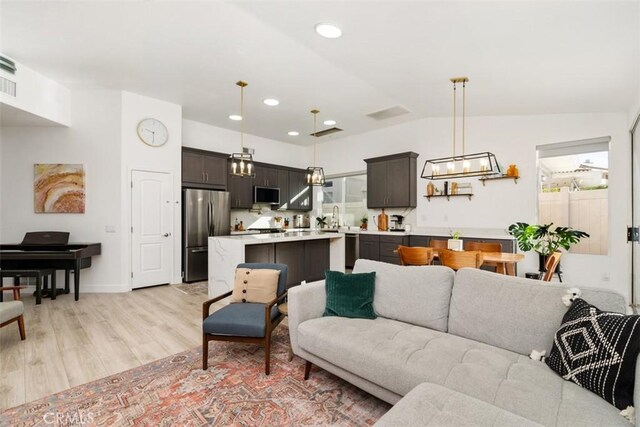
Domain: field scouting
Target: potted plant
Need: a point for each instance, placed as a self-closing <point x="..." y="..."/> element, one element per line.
<point x="364" y="222"/>
<point x="455" y="242"/>
<point x="321" y="221"/>
<point x="543" y="239"/>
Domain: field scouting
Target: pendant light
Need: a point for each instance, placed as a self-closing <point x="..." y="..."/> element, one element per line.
<point x="242" y="163"/>
<point x="464" y="165"/>
<point x="314" y="175"/>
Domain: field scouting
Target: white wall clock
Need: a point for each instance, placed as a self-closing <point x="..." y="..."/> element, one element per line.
<point x="153" y="132"/>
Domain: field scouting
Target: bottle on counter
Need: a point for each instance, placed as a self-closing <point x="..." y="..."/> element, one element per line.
<point x="236" y="225"/>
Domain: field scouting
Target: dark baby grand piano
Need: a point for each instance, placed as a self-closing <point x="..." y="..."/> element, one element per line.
<point x="49" y="249"/>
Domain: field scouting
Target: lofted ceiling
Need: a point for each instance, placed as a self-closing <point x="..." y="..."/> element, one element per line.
<point x="522" y="57"/>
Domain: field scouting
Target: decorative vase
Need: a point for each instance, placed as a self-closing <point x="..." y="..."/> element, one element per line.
<point x="454" y="244"/>
<point x="430" y="189"/>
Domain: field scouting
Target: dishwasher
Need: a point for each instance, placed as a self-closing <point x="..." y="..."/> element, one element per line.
<point x="350" y="250"/>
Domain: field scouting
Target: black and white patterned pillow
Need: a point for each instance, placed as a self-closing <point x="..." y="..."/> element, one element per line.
<point x="598" y="351"/>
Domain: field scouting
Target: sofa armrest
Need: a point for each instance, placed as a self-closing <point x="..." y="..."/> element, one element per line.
<point x="305" y="302"/>
<point x="636" y="392"/>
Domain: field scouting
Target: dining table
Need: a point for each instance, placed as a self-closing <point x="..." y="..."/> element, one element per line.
<point x="505" y="261"/>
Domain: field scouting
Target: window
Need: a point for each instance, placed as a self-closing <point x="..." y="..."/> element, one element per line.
<point x="349" y="193"/>
<point x="573" y="190"/>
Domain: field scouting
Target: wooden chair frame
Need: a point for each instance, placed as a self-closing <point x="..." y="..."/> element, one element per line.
<point x="445" y="255"/>
<point x="550" y="266"/>
<point x="264" y="341"/>
<point x="484" y="247"/>
<point x="415" y="255"/>
<point x="19" y="319"/>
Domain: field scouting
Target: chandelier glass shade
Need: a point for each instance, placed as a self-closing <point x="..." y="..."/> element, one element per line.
<point x="314" y="174"/>
<point x="461" y="165"/>
<point x="241" y="164"/>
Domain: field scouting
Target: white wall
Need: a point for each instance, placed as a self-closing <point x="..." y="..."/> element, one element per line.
<point x="94" y="140"/>
<point x="212" y="138"/>
<point x="137" y="155"/>
<point x="513" y="140"/>
<point x="38" y="95"/>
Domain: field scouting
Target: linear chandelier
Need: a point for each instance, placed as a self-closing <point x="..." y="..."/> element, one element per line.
<point x="242" y="163"/>
<point x="314" y="174"/>
<point x="462" y="165"/>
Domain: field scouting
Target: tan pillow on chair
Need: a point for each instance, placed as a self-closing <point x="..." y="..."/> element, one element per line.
<point x="259" y="285"/>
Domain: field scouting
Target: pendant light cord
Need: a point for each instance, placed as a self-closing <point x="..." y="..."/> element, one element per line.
<point x="242" y="119"/>
<point x="454" y="119"/>
<point x="315" y="134"/>
<point x="464" y="108"/>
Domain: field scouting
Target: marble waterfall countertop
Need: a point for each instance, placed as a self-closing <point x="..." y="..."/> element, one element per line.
<point x="226" y="252"/>
<point x="478" y="233"/>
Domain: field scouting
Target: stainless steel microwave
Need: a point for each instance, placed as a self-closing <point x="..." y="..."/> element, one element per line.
<point x="268" y="195"/>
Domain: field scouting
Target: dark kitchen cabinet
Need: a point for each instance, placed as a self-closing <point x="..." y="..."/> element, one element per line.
<point x="388" y="245"/>
<point x="264" y="253"/>
<point x="204" y="169"/>
<point x="370" y="247"/>
<point x="240" y="192"/>
<point x="300" y="194"/>
<point x="292" y="254"/>
<point x="419" y="241"/>
<point x="266" y="176"/>
<point x="283" y="185"/>
<point x="316" y="259"/>
<point x="391" y="181"/>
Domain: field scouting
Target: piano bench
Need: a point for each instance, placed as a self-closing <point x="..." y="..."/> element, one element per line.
<point x="41" y="276"/>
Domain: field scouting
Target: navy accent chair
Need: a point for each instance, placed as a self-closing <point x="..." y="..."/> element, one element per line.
<point x="244" y="322"/>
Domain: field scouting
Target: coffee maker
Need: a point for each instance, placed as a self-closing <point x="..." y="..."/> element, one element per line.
<point x="396" y="223"/>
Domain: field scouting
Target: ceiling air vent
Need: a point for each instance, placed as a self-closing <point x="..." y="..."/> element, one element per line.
<point x="7" y="64"/>
<point x="8" y="87"/>
<point x="326" y="132"/>
<point x="388" y="113"/>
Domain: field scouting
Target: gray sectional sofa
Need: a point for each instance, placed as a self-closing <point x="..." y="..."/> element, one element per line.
<point x="452" y="348"/>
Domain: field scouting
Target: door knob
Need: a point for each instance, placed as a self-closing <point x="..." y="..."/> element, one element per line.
<point x="167" y="234"/>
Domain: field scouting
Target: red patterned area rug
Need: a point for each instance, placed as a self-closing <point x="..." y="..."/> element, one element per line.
<point x="234" y="391"/>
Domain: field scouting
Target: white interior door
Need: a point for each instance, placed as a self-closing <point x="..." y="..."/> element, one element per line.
<point x="151" y="229"/>
<point x="635" y="197"/>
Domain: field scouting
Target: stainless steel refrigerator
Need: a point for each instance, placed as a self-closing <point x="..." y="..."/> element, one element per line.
<point x="205" y="213"/>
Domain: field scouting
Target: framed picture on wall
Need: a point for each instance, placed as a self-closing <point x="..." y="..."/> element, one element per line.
<point x="58" y="188"/>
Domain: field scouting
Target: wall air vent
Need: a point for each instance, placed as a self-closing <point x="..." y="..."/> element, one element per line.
<point x="388" y="113"/>
<point x="8" y="87"/>
<point x="326" y="132"/>
<point x="7" y="65"/>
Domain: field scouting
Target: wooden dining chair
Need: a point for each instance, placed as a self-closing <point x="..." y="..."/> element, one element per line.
<point x="417" y="255"/>
<point x="438" y="244"/>
<point x="13" y="311"/>
<point x="484" y="247"/>
<point x="550" y="266"/>
<point x="460" y="259"/>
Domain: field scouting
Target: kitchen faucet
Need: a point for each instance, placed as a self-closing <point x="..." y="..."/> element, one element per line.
<point x="336" y="218"/>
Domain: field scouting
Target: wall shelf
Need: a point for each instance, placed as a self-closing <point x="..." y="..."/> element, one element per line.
<point x="493" y="178"/>
<point x="449" y="195"/>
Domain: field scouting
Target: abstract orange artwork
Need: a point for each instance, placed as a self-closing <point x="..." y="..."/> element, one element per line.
<point x="58" y="188"/>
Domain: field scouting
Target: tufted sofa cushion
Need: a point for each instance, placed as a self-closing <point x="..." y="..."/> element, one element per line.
<point x="399" y="356"/>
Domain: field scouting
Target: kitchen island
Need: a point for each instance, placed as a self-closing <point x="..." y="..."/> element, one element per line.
<point x="307" y="253"/>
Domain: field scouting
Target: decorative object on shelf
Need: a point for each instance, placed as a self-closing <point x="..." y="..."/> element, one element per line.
<point x="321" y="221"/>
<point x="242" y="162"/>
<point x="58" y="188"/>
<point x="493" y="178"/>
<point x="464" y="165"/>
<point x="454" y="188"/>
<point x="152" y="132"/>
<point x="364" y="222"/>
<point x="450" y="195"/>
<point x="512" y="171"/>
<point x="314" y="175"/>
<point x="430" y="189"/>
<point x="543" y="240"/>
<point x="455" y="243"/>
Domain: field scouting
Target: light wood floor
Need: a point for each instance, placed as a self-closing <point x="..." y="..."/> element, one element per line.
<point x="70" y="343"/>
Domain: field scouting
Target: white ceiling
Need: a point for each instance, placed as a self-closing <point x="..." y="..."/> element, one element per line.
<point x="522" y="57"/>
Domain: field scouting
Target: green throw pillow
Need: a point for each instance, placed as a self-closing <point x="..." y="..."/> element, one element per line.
<point x="350" y="295"/>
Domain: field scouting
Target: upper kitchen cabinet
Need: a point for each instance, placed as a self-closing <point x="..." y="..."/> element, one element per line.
<point x="300" y="194"/>
<point x="391" y="181"/>
<point x="283" y="185"/>
<point x="204" y="169"/>
<point x="240" y="192"/>
<point x="266" y="176"/>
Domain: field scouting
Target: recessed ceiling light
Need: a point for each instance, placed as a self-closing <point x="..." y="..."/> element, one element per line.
<point x="271" y="102"/>
<point x="327" y="30"/>
<point x="235" y="117"/>
<point x="293" y="133"/>
<point x="329" y="122"/>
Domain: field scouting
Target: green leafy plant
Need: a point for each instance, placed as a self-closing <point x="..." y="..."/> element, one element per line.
<point x="455" y="235"/>
<point x="364" y="219"/>
<point x="321" y="221"/>
<point x="543" y="239"/>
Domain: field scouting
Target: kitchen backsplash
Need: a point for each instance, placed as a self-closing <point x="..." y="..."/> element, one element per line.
<point x="265" y="219"/>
